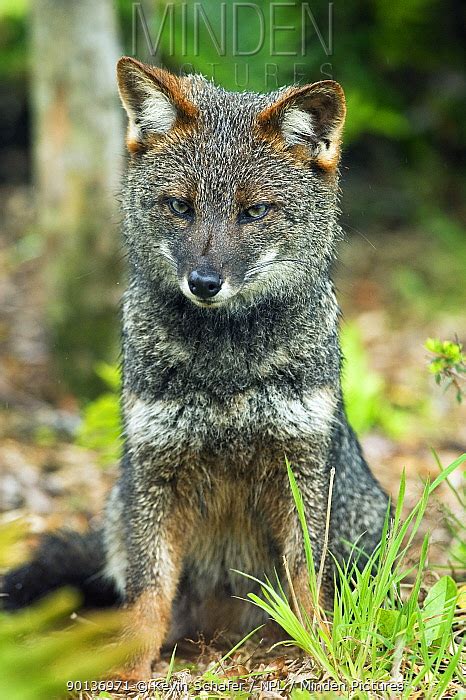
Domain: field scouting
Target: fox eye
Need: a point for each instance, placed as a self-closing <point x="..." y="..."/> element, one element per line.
<point x="256" y="211"/>
<point x="180" y="207"/>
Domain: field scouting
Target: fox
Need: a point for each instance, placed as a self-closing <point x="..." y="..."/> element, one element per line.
<point x="231" y="366"/>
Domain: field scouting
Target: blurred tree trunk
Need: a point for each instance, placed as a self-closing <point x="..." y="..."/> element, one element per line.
<point x="78" y="141"/>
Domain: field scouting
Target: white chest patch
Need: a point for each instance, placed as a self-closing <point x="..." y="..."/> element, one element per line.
<point x="169" y="423"/>
<point x="156" y="422"/>
<point x="311" y="415"/>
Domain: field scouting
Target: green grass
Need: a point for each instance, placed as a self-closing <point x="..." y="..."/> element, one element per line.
<point x="373" y="635"/>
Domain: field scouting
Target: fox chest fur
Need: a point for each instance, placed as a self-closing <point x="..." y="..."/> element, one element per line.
<point x="218" y="424"/>
<point x="197" y="391"/>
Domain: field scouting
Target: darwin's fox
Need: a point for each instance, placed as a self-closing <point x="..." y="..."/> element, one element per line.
<point x="231" y="363"/>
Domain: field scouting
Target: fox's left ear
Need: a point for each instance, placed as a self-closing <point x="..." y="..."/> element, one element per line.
<point x="311" y="116"/>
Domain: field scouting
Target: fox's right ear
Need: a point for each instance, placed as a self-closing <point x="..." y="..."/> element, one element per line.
<point x="154" y="101"/>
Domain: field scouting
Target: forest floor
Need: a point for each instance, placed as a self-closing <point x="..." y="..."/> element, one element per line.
<point x="387" y="289"/>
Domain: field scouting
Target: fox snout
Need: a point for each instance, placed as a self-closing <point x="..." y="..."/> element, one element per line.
<point x="204" y="283"/>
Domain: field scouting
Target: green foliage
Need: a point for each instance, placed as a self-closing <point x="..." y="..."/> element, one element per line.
<point x="437" y="607"/>
<point x="12" y="536"/>
<point x="13" y="47"/>
<point x="372" y="634"/>
<point x="37" y="658"/>
<point x="448" y="365"/>
<point x="13" y="8"/>
<point x="363" y="111"/>
<point x="364" y="390"/>
<point x="101" y="425"/>
<point x="41" y="649"/>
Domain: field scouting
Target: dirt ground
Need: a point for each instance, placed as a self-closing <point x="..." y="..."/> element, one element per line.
<point x="56" y="482"/>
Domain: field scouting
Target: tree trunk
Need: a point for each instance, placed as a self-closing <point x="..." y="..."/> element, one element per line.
<point x="78" y="141"/>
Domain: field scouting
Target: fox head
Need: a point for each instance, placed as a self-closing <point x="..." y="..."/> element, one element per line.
<point x="229" y="196"/>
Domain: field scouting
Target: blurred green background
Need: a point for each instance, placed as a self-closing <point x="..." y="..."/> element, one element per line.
<point x="401" y="64"/>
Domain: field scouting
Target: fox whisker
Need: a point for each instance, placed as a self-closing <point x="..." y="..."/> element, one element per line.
<point x="256" y="269"/>
<point x="166" y="256"/>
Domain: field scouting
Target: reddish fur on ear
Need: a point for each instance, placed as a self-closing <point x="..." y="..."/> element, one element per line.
<point x="138" y="81"/>
<point x="308" y="120"/>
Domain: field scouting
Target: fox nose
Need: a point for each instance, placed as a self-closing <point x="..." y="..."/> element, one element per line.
<point x="204" y="283"/>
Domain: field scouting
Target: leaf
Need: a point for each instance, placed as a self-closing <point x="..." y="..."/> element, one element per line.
<point x="389" y="622"/>
<point x="461" y="602"/>
<point x="437" y="605"/>
<point x="433" y="345"/>
<point x="110" y="374"/>
<point x="101" y="428"/>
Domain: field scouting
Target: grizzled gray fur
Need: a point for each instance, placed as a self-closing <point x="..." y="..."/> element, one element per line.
<point x="231" y="354"/>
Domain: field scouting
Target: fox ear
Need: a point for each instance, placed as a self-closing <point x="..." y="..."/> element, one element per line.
<point x="311" y="116"/>
<point x="154" y="101"/>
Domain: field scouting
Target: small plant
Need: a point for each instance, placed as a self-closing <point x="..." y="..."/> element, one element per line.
<point x="101" y="425"/>
<point x="372" y="635"/>
<point x="448" y="365"/>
